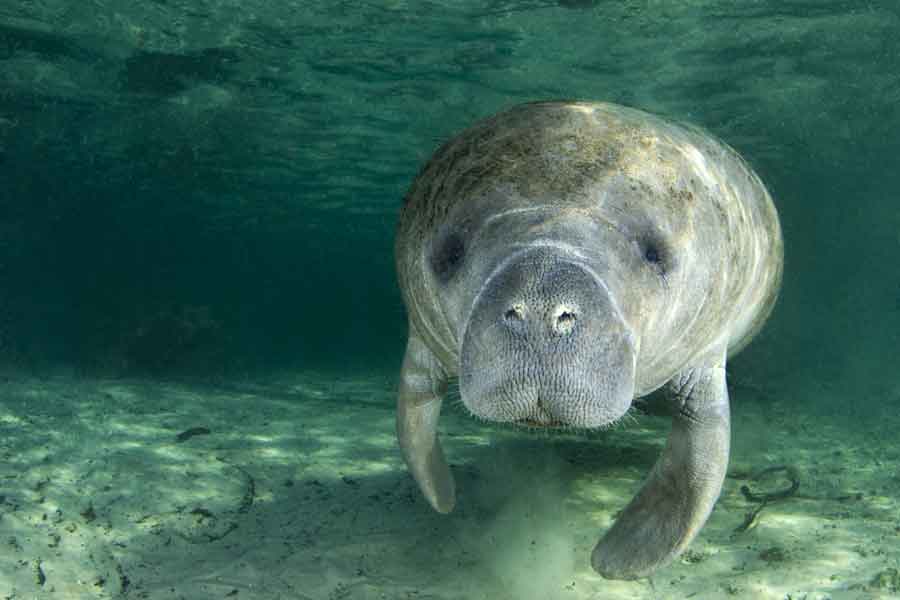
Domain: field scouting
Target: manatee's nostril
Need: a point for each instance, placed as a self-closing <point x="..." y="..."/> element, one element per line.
<point x="516" y="314"/>
<point x="564" y="321"/>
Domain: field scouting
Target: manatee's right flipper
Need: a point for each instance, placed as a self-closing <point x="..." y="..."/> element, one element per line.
<point x="675" y="501"/>
<point x="422" y="388"/>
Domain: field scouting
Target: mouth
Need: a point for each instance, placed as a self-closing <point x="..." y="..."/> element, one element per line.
<point x="539" y="417"/>
<point x="539" y="424"/>
<point x="542" y="423"/>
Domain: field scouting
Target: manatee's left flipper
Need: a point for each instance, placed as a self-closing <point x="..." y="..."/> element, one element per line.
<point x="678" y="496"/>
<point x="422" y="388"/>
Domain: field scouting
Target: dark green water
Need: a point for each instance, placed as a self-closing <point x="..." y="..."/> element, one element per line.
<point x="196" y="189"/>
<point x="218" y="181"/>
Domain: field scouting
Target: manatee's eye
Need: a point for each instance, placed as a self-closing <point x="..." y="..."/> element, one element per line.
<point x="656" y="253"/>
<point x="448" y="256"/>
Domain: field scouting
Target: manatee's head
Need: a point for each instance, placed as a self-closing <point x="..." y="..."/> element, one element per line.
<point x="547" y="305"/>
<point x="553" y="265"/>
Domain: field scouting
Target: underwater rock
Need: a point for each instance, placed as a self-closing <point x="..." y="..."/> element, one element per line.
<point x="775" y="554"/>
<point x="887" y="580"/>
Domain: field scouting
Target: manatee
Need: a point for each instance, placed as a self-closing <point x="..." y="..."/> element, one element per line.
<point x="562" y="259"/>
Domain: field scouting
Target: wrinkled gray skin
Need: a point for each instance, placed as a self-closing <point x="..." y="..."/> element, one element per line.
<point x="564" y="258"/>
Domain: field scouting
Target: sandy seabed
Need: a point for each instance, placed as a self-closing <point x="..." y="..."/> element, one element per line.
<point x="294" y="489"/>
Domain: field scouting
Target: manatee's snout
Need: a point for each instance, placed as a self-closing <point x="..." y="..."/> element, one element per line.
<point x="545" y="345"/>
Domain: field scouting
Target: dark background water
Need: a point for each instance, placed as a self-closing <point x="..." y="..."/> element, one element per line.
<point x="211" y="187"/>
